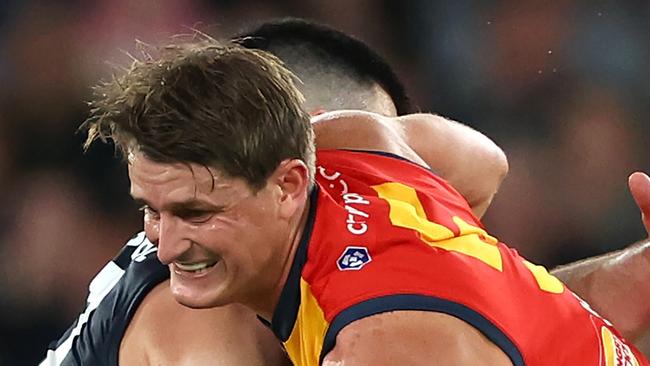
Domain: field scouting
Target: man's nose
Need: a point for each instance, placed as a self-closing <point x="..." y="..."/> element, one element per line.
<point x="169" y="238"/>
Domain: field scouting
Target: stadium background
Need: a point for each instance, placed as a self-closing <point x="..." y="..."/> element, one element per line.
<point x="562" y="86"/>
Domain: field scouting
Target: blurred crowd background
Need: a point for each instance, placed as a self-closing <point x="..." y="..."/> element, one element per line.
<point x="563" y="86"/>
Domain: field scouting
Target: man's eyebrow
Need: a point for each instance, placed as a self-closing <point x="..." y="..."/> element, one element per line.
<point x="190" y="204"/>
<point x="141" y="202"/>
<point x="193" y="204"/>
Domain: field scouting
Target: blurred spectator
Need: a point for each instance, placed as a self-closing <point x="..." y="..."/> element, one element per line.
<point x="560" y="85"/>
<point x="54" y="244"/>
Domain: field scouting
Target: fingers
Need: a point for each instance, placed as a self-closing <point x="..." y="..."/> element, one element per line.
<point x="639" y="184"/>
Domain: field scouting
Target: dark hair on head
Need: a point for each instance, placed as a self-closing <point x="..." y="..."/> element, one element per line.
<point x="203" y="102"/>
<point x="334" y="47"/>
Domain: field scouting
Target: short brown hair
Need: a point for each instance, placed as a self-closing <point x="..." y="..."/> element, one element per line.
<point x="203" y="102"/>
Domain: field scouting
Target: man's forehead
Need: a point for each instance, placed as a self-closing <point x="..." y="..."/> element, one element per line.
<point x="146" y="170"/>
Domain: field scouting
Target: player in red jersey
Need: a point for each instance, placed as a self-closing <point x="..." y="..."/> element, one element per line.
<point x="309" y="49"/>
<point x="226" y="174"/>
<point x="192" y="336"/>
<point x="134" y="306"/>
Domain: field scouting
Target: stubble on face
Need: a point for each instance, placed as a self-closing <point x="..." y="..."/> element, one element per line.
<point x="238" y="238"/>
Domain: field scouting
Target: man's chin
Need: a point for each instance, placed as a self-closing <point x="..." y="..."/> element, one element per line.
<point x="198" y="300"/>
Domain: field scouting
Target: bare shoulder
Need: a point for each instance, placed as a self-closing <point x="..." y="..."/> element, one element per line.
<point x="163" y="332"/>
<point x="413" y="338"/>
<point x="362" y="131"/>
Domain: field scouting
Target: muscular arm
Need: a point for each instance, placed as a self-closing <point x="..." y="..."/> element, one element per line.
<point x="413" y="338"/>
<point x="616" y="284"/>
<point x="467" y="159"/>
<point x="164" y="332"/>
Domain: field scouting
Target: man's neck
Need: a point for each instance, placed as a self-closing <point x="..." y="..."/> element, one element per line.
<point x="267" y="303"/>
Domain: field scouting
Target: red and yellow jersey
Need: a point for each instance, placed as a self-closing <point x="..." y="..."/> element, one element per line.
<point x="385" y="234"/>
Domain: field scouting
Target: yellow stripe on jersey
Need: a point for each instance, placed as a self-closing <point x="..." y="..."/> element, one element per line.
<point x="406" y="211"/>
<point x="306" y="340"/>
<point x="617" y="353"/>
<point x="545" y="280"/>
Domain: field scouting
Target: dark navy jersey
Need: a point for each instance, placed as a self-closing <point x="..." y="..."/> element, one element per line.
<point x="114" y="296"/>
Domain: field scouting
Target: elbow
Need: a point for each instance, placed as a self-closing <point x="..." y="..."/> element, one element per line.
<point x="501" y="166"/>
<point x="494" y="169"/>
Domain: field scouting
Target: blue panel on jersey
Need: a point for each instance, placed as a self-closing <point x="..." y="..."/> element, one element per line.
<point x="422" y="303"/>
<point x="286" y="311"/>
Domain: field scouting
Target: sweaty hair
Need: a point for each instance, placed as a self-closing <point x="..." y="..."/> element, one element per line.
<point x="217" y="105"/>
<point x="337" y="71"/>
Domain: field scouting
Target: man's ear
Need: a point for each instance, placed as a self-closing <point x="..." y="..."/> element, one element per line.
<point x="292" y="177"/>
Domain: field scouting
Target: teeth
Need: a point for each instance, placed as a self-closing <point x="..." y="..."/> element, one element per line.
<point x="193" y="267"/>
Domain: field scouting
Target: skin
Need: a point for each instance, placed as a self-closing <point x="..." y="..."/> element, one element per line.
<point x="430" y="140"/>
<point x="431" y="336"/>
<point x="623" y="274"/>
<point x="439" y="143"/>
<point x="447" y="145"/>
<point x="421" y="131"/>
<point x="180" y="340"/>
<point x="369" y="128"/>
<point x="252" y="274"/>
<point x="194" y="222"/>
<point x="247" y="237"/>
<point x="376" y="133"/>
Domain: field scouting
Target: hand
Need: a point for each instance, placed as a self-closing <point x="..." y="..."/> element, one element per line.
<point x="639" y="184"/>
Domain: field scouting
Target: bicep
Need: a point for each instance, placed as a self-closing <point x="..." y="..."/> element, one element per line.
<point x="413" y="338"/>
<point x="466" y="158"/>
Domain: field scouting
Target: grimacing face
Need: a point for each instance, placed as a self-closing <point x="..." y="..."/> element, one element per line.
<point x="223" y="243"/>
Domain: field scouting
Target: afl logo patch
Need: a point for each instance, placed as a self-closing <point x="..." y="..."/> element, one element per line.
<point x="353" y="259"/>
<point x="617" y="353"/>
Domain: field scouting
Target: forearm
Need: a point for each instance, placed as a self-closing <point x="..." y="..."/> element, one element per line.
<point x="467" y="159"/>
<point x="616" y="286"/>
<point x="643" y="343"/>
